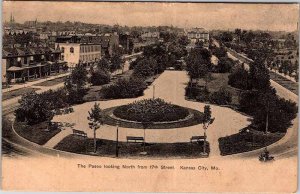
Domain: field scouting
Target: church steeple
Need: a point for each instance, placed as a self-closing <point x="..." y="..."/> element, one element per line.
<point x="11" y="18"/>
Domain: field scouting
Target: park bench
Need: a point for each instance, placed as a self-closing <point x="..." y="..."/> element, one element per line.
<point x="197" y="138"/>
<point x="135" y="139"/>
<point x="79" y="133"/>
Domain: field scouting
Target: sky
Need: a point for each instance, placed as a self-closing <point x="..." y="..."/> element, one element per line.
<point x="275" y="17"/>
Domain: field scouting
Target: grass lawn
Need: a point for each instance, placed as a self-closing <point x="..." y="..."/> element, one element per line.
<point x="247" y="141"/>
<point x="16" y="93"/>
<point x="51" y="82"/>
<point x="218" y="81"/>
<point x="81" y="145"/>
<point x="35" y="133"/>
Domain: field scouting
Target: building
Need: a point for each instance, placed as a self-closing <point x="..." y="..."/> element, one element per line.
<point x="25" y="63"/>
<point x="197" y="35"/>
<point x="109" y="42"/>
<point x="150" y="36"/>
<point x="75" y="53"/>
<point x="126" y="41"/>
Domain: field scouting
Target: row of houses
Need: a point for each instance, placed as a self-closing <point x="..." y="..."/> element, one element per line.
<point x="25" y="63"/>
<point x="28" y="59"/>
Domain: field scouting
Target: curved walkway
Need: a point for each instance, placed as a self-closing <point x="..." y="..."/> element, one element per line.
<point x="170" y="86"/>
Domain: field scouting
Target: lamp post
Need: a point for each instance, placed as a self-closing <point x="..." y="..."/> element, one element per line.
<point x="117" y="142"/>
<point x="145" y="125"/>
<point x="153" y="91"/>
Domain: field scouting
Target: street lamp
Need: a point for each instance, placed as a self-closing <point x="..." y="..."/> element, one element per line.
<point x="153" y="91"/>
<point x="145" y="125"/>
<point x="117" y="142"/>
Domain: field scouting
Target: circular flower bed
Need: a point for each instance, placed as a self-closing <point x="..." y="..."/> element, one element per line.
<point x="151" y="110"/>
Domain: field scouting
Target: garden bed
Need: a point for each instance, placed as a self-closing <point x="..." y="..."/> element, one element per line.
<point x="81" y="145"/>
<point x="35" y="133"/>
<point x="151" y="110"/>
<point x="247" y="141"/>
<point x="194" y="118"/>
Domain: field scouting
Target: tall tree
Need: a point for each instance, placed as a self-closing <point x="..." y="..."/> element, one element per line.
<point x="33" y="109"/>
<point x="75" y="84"/>
<point x="116" y="63"/>
<point x="199" y="64"/>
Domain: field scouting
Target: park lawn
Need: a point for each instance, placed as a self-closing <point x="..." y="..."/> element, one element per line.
<point x="244" y="142"/>
<point x="35" y="133"/>
<point x="18" y="92"/>
<point x="51" y="82"/>
<point x="81" y="145"/>
<point x="218" y="81"/>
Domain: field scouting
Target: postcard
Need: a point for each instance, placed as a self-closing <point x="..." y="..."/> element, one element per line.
<point x="150" y="96"/>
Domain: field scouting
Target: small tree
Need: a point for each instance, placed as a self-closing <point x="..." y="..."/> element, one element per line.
<point x="207" y="120"/>
<point x="96" y="120"/>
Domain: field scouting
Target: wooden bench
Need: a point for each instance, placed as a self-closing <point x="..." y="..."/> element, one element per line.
<point x="197" y="138"/>
<point x="135" y="139"/>
<point x="79" y="133"/>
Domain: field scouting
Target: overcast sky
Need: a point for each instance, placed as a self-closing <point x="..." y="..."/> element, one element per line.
<point x="207" y="15"/>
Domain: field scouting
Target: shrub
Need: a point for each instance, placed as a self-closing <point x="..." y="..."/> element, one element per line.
<point x="124" y="88"/>
<point x="100" y="78"/>
<point x="199" y="93"/>
<point x="151" y="110"/>
<point x="221" y="97"/>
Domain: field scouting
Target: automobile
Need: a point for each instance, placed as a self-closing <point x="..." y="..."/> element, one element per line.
<point x="170" y="68"/>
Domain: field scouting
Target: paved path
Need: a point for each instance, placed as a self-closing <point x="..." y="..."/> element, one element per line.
<point x="170" y="86"/>
<point x="58" y="137"/>
<point x="285" y="76"/>
<point x="31" y="83"/>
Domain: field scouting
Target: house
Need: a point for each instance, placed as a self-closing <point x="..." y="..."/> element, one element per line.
<point x="24" y="63"/>
<point x="150" y="36"/>
<point x="75" y="53"/>
<point x="126" y="41"/>
<point x="197" y="35"/>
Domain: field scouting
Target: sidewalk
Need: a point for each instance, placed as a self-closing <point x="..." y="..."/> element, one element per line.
<point x="285" y="76"/>
<point x="28" y="84"/>
<point x="58" y="138"/>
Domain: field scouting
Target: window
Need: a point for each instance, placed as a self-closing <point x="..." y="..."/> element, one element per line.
<point x="71" y="50"/>
<point x="25" y="60"/>
<point x="63" y="49"/>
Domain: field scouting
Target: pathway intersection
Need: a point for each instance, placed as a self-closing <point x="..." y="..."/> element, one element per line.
<point x="169" y="86"/>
